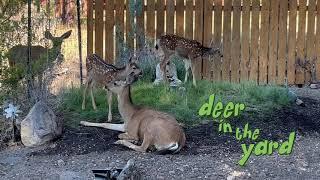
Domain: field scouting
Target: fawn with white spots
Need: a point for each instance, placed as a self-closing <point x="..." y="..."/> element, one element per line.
<point x="190" y="50"/>
<point x="101" y="73"/>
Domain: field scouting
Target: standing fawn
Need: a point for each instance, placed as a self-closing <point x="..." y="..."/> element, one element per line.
<point x="153" y="128"/>
<point x="190" y="50"/>
<point x="101" y="73"/>
<point x="17" y="55"/>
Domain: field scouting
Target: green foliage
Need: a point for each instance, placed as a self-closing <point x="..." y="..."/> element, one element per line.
<point x="184" y="105"/>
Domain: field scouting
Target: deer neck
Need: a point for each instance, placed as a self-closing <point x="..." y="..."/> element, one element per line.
<point x="125" y="105"/>
<point x="54" y="52"/>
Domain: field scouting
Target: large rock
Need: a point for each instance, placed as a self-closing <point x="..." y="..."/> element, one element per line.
<point x="40" y="126"/>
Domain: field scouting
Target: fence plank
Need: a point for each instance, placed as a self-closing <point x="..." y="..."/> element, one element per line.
<point x="264" y="42"/>
<point x="282" y="52"/>
<point x="130" y="25"/>
<point x="235" y="53"/>
<point x="170" y="17"/>
<point x="198" y="35"/>
<point x="189" y="19"/>
<point x="180" y="17"/>
<point x="90" y="28"/>
<point x="273" y="46"/>
<point x="109" y="24"/>
<point x="207" y="36"/>
<point x="119" y="28"/>
<point x="99" y="27"/>
<point x="317" y="63"/>
<point x="140" y="31"/>
<point x="301" y="45"/>
<point x="217" y="37"/>
<point x="150" y="20"/>
<point x="253" y="76"/>
<point x="160" y="18"/>
<point x="245" y="41"/>
<point x="310" y="41"/>
<point x="226" y="40"/>
<point x="292" y="41"/>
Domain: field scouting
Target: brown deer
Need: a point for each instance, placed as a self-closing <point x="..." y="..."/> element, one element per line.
<point x="101" y="73"/>
<point x="153" y="128"/>
<point x="17" y="55"/>
<point x="190" y="50"/>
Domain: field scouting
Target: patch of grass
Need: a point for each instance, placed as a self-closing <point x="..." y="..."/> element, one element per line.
<point x="184" y="105"/>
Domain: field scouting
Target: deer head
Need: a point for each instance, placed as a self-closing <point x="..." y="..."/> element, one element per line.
<point x="57" y="42"/>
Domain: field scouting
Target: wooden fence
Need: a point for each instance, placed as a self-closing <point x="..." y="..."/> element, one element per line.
<point x="267" y="41"/>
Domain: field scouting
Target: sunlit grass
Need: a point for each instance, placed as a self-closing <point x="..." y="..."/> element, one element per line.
<point x="184" y="105"/>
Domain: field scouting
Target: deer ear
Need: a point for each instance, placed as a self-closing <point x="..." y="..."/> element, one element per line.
<point x="66" y="35"/>
<point x="48" y="35"/>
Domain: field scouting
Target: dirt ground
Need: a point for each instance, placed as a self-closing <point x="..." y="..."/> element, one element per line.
<point x="208" y="154"/>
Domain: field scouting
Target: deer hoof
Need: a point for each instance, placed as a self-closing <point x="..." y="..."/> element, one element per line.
<point x="118" y="142"/>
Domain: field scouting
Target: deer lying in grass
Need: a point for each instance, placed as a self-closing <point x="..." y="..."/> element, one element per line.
<point x="101" y="73"/>
<point x="17" y="55"/>
<point x="190" y="50"/>
<point x="153" y="128"/>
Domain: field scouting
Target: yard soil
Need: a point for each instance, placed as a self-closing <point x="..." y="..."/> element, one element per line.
<point x="207" y="155"/>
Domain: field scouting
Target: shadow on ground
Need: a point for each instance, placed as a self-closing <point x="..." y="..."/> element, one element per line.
<point x="202" y="139"/>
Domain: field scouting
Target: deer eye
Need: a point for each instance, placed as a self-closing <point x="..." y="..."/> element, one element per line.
<point x="134" y="68"/>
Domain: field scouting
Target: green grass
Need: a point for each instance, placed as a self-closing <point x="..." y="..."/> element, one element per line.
<point x="184" y="105"/>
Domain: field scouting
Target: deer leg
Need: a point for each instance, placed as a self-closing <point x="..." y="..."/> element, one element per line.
<point x="92" y="97"/>
<point x="143" y="148"/>
<point x="84" y="95"/>
<point x="126" y="136"/>
<point x="115" y="127"/>
<point x="187" y="64"/>
<point x="193" y="70"/>
<point x="163" y="65"/>
<point x="109" y="104"/>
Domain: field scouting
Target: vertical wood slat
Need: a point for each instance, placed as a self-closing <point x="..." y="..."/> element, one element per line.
<point x="292" y="41"/>
<point x="180" y="17"/>
<point x="282" y="52"/>
<point x="317" y="63"/>
<point x="140" y="31"/>
<point x="245" y="41"/>
<point x="301" y="42"/>
<point x="253" y="76"/>
<point x="310" y="40"/>
<point x="170" y="17"/>
<point x="109" y="24"/>
<point x="273" y="45"/>
<point x="151" y="20"/>
<point x="119" y="27"/>
<point x="264" y="42"/>
<point x="198" y="35"/>
<point x="90" y="28"/>
<point x="160" y="18"/>
<point x="226" y="41"/>
<point x="99" y="27"/>
<point x="217" y="37"/>
<point x="207" y="36"/>
<point x="189" y="19"/>
<point x="235" y="53"/>
<point x="130" y="25"/>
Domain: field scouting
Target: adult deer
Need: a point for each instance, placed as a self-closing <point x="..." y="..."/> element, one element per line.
<point x="17" y="55"/>
<point x="189" y="50"/>
<point x="153" y="128"/>
<point x="101" y="73"/>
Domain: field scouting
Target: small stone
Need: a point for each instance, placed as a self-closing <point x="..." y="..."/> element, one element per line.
<point x="299" y="102"/>
<point x="61" y="162"/>
<point x="314" y="86"/>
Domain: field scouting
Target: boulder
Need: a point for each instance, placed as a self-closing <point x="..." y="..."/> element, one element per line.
<point x="40" y="126"/>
